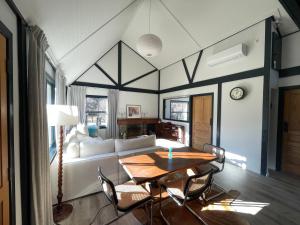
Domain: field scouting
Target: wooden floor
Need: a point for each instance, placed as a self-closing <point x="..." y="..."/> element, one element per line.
<point x="260" y="201"/>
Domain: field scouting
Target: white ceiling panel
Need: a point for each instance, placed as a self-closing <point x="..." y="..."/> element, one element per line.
<point x="213" y="20"/>
<point x="79" y="32"/>
<point x="67" y="23"/>
<point x="92" y="49"/>
<point x="176" y="42"/>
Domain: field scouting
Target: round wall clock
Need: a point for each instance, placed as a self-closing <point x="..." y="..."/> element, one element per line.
<point x="237" y="93"/>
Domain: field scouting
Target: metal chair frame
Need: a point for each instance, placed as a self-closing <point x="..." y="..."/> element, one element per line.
<point x="188" y="196"/>
<point x="220" y="160"/>
<point x="113" y="201"/>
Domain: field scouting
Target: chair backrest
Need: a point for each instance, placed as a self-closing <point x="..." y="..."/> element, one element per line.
<point x="196" y="185"/>
<point x="215" y="150"/>
<point x="108" y="188"/>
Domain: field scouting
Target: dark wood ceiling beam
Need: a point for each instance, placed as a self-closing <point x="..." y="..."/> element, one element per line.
<point x="293" y="9"/>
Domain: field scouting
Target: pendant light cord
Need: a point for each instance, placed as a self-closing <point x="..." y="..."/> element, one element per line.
<point x="149" y="14"/>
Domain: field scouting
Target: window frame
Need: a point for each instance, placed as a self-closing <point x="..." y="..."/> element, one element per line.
<point x="98" y="97"/>
<point x="52" y="146"/>
<point x="176" y="101"/>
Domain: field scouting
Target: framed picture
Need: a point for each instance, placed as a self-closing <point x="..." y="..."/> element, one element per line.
<point x="133" y="111"/>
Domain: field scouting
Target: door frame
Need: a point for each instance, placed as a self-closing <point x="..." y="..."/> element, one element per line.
<point x="10" y="115"/>
<point x="280" y="122"/>
<point x="191" y="116"/>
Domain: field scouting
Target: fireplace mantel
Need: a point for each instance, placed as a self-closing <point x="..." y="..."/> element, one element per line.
<point x="137" y="121"/>
<point x="137" y="126"/>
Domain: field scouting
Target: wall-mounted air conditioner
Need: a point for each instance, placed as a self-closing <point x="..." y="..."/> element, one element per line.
<point x="229" y="54"/>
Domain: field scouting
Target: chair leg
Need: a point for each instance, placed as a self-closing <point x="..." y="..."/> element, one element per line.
<point x="223" y="191"/>
<point x="160" y="209"/>
<point x="195" y="214"/>
<point x="151" y="212"/>
<point x="99" y="211"/>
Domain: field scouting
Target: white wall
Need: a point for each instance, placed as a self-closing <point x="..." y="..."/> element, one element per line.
<point x="291" y="51"/>
<point x="241" y="124"/>
<point x="8" y="18"/>
<point x="241" y="121"/>
<point x="254" y="38"/>
<point x="188" y="92"/>
<point x="290" y="58"/>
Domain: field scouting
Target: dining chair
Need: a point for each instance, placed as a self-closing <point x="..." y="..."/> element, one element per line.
<point x="124" y="197"/>
<point x="216" y="166"/>
<point x="186" y="188"/>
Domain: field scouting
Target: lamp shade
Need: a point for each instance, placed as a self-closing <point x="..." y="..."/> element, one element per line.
<point x="60" y="115"/>
<point x="149" y="45"/>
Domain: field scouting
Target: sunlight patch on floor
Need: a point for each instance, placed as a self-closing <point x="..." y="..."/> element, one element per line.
<point x="238" y="206"/>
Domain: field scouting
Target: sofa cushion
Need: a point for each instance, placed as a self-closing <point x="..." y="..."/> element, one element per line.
<point x="94" y="146"/>
<point x="135" y="143"/>
<point x="73" y="150"/>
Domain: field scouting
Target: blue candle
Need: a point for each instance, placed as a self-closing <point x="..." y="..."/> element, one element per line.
<point x="170" y="153"/>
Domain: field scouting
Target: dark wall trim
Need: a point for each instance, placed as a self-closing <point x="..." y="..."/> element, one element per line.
<point x="186" y="71"/>
<point x="140" y="77"/>
<point x="266" y="96"/>
<point x="87" y="84"/>
<point x="191" y="116"/>
<point x="219" y="114"/>
<point x="228" y="78"/>
<point x="121" y="88"/>
<point x="280" y="123"/>
<point x="289" y="71"/>
<point x="16" y="11"/>
<point x="10" y="123"/>
<point x="293" y="9"/>
<point x="96" y="96"/>
<point x="106" y="74"/>
<point x="158" y="96"/>
<point x="119" y="63"/>
<point x="196" y="66"/>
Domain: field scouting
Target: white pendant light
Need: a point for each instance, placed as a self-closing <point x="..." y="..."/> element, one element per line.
<point x="149" y="45"/>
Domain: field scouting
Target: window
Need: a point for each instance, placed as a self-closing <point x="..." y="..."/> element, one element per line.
<point x="51" y="129"/>
<point x="176" y="109"/>
<point x="50" y="85"/>
<point x="96" y="110"/>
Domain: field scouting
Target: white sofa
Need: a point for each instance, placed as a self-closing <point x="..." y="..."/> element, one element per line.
<point x="80" y="165"/>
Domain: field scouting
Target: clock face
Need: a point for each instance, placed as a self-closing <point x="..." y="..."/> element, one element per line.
<point x="237" y="93"/>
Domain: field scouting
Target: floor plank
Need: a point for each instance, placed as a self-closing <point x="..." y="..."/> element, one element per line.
<point x="261" y="200"/>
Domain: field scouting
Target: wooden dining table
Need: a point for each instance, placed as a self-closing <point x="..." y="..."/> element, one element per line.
<point x="150" y="167"/>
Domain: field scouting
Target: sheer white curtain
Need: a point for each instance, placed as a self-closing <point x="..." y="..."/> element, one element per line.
<point x="60" y="86"/>
<point x="77" y="96"/>
<point x="113" y="102"/>
<point x="41" y="202"/>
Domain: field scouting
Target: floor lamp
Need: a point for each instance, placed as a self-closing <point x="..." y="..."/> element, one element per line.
<point x="61" y="115"/>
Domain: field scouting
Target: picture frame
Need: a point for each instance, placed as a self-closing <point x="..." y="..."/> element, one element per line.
<point x="133" y="111"/>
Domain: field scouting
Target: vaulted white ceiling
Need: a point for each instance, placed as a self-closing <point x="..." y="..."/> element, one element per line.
<point x="80" y="32"/>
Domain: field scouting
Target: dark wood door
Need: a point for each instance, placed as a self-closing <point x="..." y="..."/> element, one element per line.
<point x="291" y="132"/>
<point x="4" y="179"/>
<point x="201" y="121"/>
